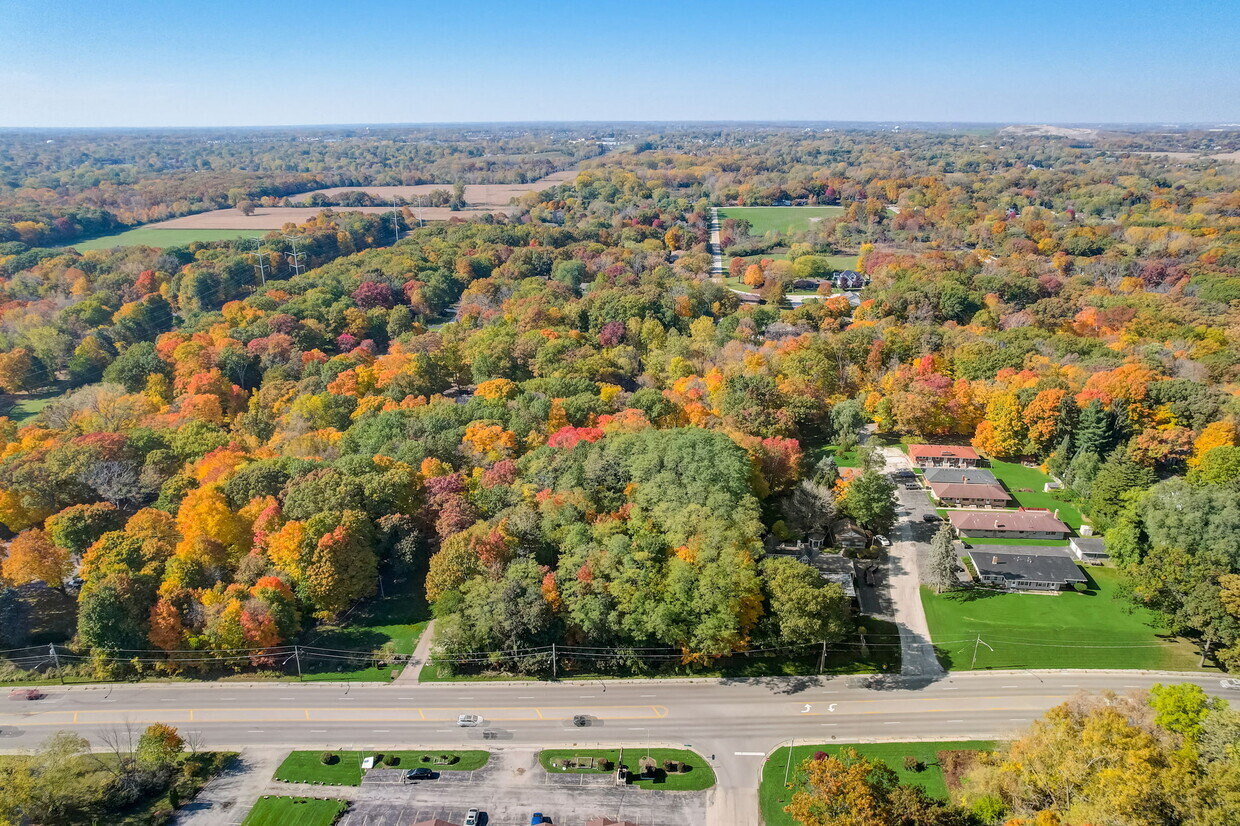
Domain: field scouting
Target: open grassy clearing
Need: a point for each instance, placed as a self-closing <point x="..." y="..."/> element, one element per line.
<point x="161" y="238"/>
<point x="22" y="407"/>
<point x="295" y="811"/>
<point x="773" y="795"/>
<point x="1025" y="484"/>
<point x="780" y="219"/>
<point x="698" y="777"/>
<point x="1096" y="628"/>
<point x="838" y="262"/>
<point x="308" y="766"/>
<point x="394" y="622"/>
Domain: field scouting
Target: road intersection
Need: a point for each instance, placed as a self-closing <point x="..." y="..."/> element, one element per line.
<point x="735" y="723"/>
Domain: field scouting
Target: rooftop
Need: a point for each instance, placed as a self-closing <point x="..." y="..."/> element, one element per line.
<point x="956" y="490"/>
<point x="963" y="476"/>
<point x="1021" y="520"/>
<point x="944" y="451"/>
<point x="1026" y="567"/>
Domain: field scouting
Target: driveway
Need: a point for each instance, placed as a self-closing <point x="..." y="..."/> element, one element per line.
<point x="910" y="544"/>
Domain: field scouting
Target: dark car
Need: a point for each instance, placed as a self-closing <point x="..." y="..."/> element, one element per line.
<point x="419" y="774"/>
<point x="931" y="517"/>
<point x="581" y="720"/>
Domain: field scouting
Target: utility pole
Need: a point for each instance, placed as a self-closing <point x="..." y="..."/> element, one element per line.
<point x="554" y="669"/>
<point x="292" y="239"/>
<point x="788" y="765"/>
<point x="258" y="253"/>
<point x="395" y="222"/>
<point x="297" y="656"/>
<point x="976" y="643"/>
<point x="822" y="657"/>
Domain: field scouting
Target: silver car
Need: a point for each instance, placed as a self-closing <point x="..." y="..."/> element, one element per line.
<point x="468" y="720"/>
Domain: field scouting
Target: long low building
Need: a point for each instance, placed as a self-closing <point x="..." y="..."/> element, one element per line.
<point x="958" y="495"/>
<point x="961" y="476"/>
<point x="929" y="456"/>
<point x="1027" y="570"/>
<point x="1019" y="524"/>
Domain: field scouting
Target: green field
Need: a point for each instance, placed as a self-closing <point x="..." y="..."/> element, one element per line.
<point x="307" y="766"/>
<point x="1096" y="628"/>
<point x="700" y="775"/>
<point x="781" y="219"/>
<point x="27" y="407"/>
<point x="396" y="620"/>
<point x="160" y="238"/>
<point x="1016" y="477"/>
<point x="294" y="811"/>
<point x="773" y="795"/>
<point x="839" y="262"/>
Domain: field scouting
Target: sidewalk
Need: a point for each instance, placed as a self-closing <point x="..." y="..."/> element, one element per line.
<point x="421" y="654"/>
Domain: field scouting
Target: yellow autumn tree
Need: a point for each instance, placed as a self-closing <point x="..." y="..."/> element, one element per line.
<point x="1215" y="434"/>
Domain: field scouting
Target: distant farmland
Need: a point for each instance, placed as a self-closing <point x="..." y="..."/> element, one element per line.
<point x="780" y="219"/>
<point x="153" y="236"/>
<point x="476" y="195"/>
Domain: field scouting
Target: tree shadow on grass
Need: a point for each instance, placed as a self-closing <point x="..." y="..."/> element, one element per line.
<point x="963" y="595"/>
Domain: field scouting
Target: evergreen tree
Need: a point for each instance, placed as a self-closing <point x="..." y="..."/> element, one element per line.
<point x="1095" y="432"/>
<point x="941" y="572"/>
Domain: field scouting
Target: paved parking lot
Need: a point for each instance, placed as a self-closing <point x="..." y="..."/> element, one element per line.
<point x="509" y="790"/>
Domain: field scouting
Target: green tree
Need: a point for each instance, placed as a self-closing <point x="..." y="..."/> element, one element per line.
<point x="941" y="572"/>
<point x="1118" y="475"/>
<point x="870" y="498"/>
<point x="803" y="607"/>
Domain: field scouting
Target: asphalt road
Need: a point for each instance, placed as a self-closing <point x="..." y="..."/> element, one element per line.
<point x="734" y="722"/>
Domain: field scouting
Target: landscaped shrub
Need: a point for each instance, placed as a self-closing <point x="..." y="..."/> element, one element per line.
<point x="391" y="760"/>
<point x="329" y="759"/>
<point x="606" y="765"/>
<point x="912" y="764"/>
<point x="426" y="758"/>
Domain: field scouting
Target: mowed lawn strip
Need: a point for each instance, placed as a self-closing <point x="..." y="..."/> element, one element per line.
<point x="1092" y="629"/>
<point x="780" y="219"/>
<point x="700" y="775"/>
<point x="308" y="767"/>
<point x="294" y="811"/>
<point x="773" y="795"/>
<point x="1015" y="477"/>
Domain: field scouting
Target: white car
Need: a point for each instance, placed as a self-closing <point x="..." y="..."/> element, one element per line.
<point x="471" y="818"/>
<point x="1230" y="682"/>
<point x="468" y="720"/>
<point x="882" y="540"/>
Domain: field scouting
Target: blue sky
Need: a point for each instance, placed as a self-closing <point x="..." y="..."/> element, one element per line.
<point x="219" y="62"/>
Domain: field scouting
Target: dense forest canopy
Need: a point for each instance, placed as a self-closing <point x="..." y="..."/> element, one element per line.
<point x="564" y="427"/>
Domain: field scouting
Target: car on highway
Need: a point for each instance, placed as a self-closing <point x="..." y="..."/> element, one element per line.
<point x="468" y="720"/>
<point x="26" y="694"/>
<point x="1230" y="682"/>
<point x="419" y="774"/>
<point x="581" y="720"/>
<point x="471" y="818"/>
<point x="882" y="540"/>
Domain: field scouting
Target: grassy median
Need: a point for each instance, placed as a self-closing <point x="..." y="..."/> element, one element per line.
<point x="346" y="769"/>
<point x="294" y="811"/>
<point x="696" y="775"/>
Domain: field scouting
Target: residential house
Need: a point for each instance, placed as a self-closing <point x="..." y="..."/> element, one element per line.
<point x="849" y="280"/>
<point x="960" y="476"/>
<point x="1020" y="524"/>
<point x="1026" y="569"/>
<point x="847" y="534"/>
<point x="839" y="569"/>
<point x="956" y="495"/>
<point x="1089" y="549"/>
<point x="953" y="456"/>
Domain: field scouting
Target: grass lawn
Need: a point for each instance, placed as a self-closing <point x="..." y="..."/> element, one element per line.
<point x="27" y="407"/>
<point x="397" y="619"/>
<point x="780" y="219"/>
<point x="700" y="775"/>
<point x="882" y="656"/>
<point x="1016" y="476"/>
<point x="979" y="544"/>
<point x="307" y="766"/>
<point x="838" y="262"/>
<point x="160" y="238"/>
<point x="773" y="795"/>
<point x="294" y="811"/>
<point x="1096" y="628"/>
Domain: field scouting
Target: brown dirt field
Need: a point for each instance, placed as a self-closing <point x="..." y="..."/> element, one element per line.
<point x="476" y="195"/>
<point x="1191" y="156"/>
